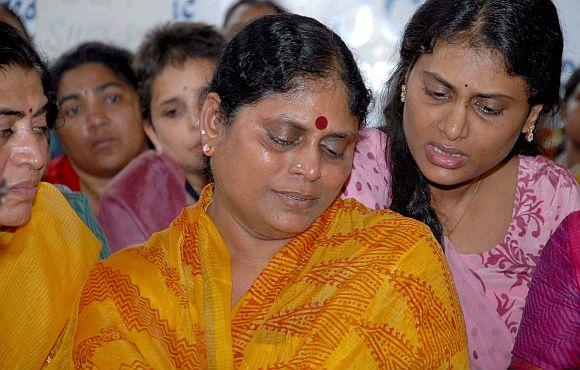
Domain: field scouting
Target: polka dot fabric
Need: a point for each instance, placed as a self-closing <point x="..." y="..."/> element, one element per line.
<point x="370" y="179"/>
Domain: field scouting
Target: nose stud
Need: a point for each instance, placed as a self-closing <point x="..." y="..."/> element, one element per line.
<point x="298" y="165"/>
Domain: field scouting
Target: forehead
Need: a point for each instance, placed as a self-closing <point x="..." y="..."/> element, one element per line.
<point x="88" y="76"/>
<point x="460" y="64"/>
<point x="247" y="12"/>
<point x="310" y="100"/>
<point x="190" y="76"/>
<point x="20" y="87"/>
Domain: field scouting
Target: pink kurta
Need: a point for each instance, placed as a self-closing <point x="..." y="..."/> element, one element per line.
<point x="492" y="286"/>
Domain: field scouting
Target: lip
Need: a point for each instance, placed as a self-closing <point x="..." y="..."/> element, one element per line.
<point x="447" y="158"/>
<point x="296" y="199"/>
<point x="102" y="144"/>
<point x="24" y="190"/>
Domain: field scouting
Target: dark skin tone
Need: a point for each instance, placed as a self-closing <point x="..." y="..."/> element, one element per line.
<point x="288" y="171"/>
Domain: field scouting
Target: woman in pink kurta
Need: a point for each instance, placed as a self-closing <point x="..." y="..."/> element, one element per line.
<point x="493" y="285"/>
<point x="475" y="81"/>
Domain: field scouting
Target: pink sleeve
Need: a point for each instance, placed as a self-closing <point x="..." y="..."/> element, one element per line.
<point x="370" y="179"/>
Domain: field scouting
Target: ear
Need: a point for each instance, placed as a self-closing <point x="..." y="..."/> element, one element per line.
<point x="152" y="135"/>
<point x="532" y="117"/>
<point x="211" y="125"/>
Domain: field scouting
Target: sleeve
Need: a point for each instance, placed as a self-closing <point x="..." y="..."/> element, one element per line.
<point x="369" y="181"/>
<point x="549" y="332"/>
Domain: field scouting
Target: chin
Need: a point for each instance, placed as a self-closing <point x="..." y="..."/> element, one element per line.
<point x="15" y="220"/>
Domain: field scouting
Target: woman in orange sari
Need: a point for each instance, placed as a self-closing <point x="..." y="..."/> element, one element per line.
<point x="46" y="251"/>
<point x="269" y="268"/>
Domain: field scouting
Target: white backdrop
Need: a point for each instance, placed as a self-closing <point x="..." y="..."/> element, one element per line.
<point x="370" y="27"/>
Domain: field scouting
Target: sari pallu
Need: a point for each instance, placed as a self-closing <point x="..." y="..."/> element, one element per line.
<point x="358" y="289"/>
<point x="43" y="266"/>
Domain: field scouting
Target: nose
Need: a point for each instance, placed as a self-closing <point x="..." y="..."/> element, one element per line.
<point x="307" y="164"/>
<point x="97" y="115"/>
<point x="454" y="125"/>
<point x="30" y="149"/>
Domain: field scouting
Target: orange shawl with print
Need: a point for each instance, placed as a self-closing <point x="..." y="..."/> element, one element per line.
<point x="359" y="288"/>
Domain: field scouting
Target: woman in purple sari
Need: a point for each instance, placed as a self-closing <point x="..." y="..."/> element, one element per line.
<point x="549" y="335"/>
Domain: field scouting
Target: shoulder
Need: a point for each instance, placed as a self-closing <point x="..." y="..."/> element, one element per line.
<point x="145" y="171"/>
<point x="384" y="229"/>
<point x="370" y="178"/>
<point x="549" y="182"/>
<point x="143" y="264"/>
<point x="540" y="168"/>
<point x="370" y="146"/>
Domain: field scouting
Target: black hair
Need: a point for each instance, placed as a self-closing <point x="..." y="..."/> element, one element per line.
<point x="18" y="20"/>
<point x="525" y="33"/>
<point x="275" y="7"/>
<point x="570" y="85"/>
<point x="116" y="59"/>
<point x="273" y="54"/>
<point x="17" y="51"/>
<point x="172" y="44"/>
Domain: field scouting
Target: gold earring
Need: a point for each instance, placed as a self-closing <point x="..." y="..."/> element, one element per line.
<point x="206" y="149"/>
<point x="530" y="133"/>
<point x="202" y="131"/>
<point x="403" y="93"/>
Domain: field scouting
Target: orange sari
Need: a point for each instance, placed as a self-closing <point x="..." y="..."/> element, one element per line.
<point x="359" y="288"/>
<point x="43" y="266"/>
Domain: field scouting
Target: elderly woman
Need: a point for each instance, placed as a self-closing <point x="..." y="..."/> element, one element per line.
<point x="475" y="81"/>
<point x="269" y="269"/>
<point x="46" y="251"/>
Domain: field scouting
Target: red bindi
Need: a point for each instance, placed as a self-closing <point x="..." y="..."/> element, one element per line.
<point x="30" y="110"/>
<point x="321" y="123"/>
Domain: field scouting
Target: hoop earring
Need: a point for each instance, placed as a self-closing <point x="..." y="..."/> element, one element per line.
<point x="530" y="133"/>
<point x="403" y="93"/>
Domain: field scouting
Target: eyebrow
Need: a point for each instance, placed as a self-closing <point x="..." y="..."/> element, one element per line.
<point x="100" y="88"/>
<point x="444" y="82"/>
<point x="20" y="114"/>
<point x="170" y="101"/>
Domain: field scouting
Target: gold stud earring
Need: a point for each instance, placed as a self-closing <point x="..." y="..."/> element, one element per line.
<point x="202" y="131"/>
<point x="206" y="149"/>
<point x="530" y="133"/>
<point x="403" y="93"/>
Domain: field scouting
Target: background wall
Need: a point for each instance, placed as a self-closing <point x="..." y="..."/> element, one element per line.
<point x="370" y="27"/>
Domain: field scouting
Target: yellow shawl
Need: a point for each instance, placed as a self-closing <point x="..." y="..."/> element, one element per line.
<point x="43" y="266"/>
<point x="359" y="288"/>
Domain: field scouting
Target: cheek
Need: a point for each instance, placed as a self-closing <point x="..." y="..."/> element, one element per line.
<point x="336" y="175"/>
<point x="71" y="135"/>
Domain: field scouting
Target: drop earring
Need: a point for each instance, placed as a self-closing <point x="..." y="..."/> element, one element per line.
<point x="403" y="93"/>
<point x="530" y="133"/>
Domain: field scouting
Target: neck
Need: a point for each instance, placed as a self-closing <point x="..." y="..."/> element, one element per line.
<point x="245" y="245"/>
<point x="93" y="187"/>
<point x="197" y="181"/>
<point x="572" y="153"/>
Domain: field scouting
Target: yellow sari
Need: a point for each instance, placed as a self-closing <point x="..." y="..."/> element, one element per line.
<point x="43" y="266"/>
<point x="359" y="288"/>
